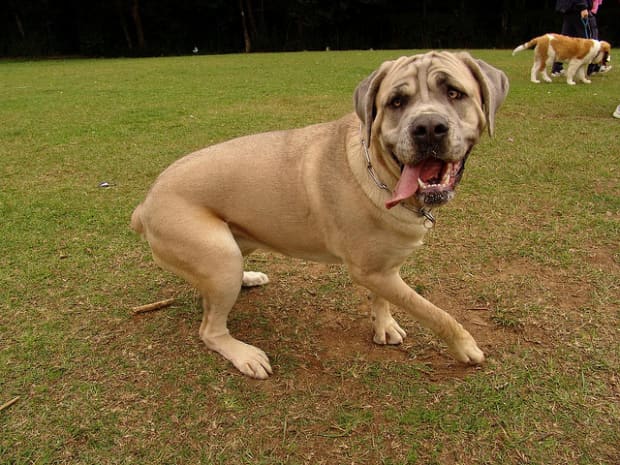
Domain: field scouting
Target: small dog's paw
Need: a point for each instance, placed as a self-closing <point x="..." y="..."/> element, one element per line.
<point x="254" y="278"/>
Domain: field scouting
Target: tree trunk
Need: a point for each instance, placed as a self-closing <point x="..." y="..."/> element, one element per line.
<point x="20" y="26"/>
<point x="250" y="15"/>
<point x="246" y="34"/>
<point x="121" y="14"/>
<point x="135" y="13"/>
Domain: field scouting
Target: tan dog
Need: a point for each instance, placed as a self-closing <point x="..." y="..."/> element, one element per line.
<point x="318" y="193"/>
<point x="578" y="53"/>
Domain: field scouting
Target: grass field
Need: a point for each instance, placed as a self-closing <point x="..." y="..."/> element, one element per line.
<point x="527" y="257"/>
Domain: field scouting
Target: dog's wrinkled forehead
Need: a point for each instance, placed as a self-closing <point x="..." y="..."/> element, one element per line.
<point x="460" y="70"/>
<point x="422" y="74"/>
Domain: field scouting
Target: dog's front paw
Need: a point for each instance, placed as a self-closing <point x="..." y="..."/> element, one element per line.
<point x="388" y="332"/>
<point x="465" y="350"/>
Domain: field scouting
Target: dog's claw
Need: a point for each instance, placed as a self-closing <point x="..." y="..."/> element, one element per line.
<point x="388" y="332"/>
<point x="466" y="350"/>
<point x="260" y="370"/>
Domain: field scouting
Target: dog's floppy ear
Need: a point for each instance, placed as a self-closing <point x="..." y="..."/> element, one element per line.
<point x="604" y="53"/>
<point x="365" y="95"/>
<point x="493" y="84"/>
<point x="605" y="46"/>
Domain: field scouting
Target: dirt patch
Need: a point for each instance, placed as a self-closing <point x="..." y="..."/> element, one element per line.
<point x="321" y="318"/>
<point x="311" y="317"/>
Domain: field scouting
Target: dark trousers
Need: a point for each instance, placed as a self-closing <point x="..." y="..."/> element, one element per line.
<point x="574" y="27"/>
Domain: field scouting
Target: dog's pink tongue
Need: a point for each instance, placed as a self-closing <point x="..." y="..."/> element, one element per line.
<point x="407" y="185"/>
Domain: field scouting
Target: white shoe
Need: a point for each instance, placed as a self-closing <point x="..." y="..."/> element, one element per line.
<point x="617" y="112"/>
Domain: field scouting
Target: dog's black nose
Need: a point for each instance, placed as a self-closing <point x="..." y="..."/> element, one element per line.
<point x="429" y="129"/>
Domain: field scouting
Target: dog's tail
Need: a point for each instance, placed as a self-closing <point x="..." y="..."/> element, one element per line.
<point x="526" y="46"/>
<point x="136" y="220"/>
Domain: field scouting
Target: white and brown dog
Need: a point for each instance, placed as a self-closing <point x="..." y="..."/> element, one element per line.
<point x="578" y="53"/>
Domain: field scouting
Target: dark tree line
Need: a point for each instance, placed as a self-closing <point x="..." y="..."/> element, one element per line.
<point x="167" y="27"/>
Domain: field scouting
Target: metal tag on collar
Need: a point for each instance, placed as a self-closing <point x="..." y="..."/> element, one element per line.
<point x="429" y="220"/>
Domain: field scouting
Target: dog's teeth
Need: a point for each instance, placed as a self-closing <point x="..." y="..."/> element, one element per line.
<point x="422" y="184"/>
<point x="446" y="177"/>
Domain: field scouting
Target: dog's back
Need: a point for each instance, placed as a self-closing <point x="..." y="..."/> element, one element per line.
<point x="561" y="47"/>
<point x="542" y="41"/>
<point x="567" y="48"/>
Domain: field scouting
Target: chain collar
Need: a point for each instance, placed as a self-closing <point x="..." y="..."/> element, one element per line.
<point x="429" y="221"/>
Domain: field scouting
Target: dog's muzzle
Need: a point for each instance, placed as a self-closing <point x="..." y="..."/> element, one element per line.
<point x="428" y="177"/>
<point x="429" y="133"/>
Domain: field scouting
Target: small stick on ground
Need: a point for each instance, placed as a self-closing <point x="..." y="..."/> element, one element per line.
<point x="153" y="306"/>
<point x="9" y="403"/>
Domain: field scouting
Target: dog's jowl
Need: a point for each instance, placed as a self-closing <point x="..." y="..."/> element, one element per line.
<point x="357" y="191"/>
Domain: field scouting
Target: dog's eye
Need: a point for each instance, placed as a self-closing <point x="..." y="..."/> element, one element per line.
<point x="454" y="94"/>
<point x="397" y="102"/>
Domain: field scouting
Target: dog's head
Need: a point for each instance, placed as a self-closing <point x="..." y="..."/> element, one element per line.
<point x="423" y="114"/>
<point x="603" y="55"/>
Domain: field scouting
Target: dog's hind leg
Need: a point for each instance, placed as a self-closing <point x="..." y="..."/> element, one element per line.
<point x="534" y="72"/>
<point x="254" y="278"/>
<point x="251" y="278"/>
<point x="543" y="69"/>
<point x="202" y="250"/>
<point x="544" y="57"/>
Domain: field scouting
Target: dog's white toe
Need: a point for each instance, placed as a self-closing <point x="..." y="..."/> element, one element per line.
<point x="388" y="332"/>
<point x="466" y="350"/>
<point x="254" y="278"/>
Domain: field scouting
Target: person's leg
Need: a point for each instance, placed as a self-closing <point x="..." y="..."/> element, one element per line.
<point x="593" y="68"/>
<point x="571" y="26"/>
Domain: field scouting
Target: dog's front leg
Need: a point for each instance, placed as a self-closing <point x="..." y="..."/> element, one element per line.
<point x="582" y="74"/>
<point x="390" y="287"/>
<point x="572" y="69"/>
<point x="386" y="329"/>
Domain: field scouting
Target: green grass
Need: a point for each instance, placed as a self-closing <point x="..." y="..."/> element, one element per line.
<point x="527" y="257"/>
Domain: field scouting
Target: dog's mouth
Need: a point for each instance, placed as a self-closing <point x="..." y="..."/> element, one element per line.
<point x="606" y="59"/>
<point x="432" y="181"/>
